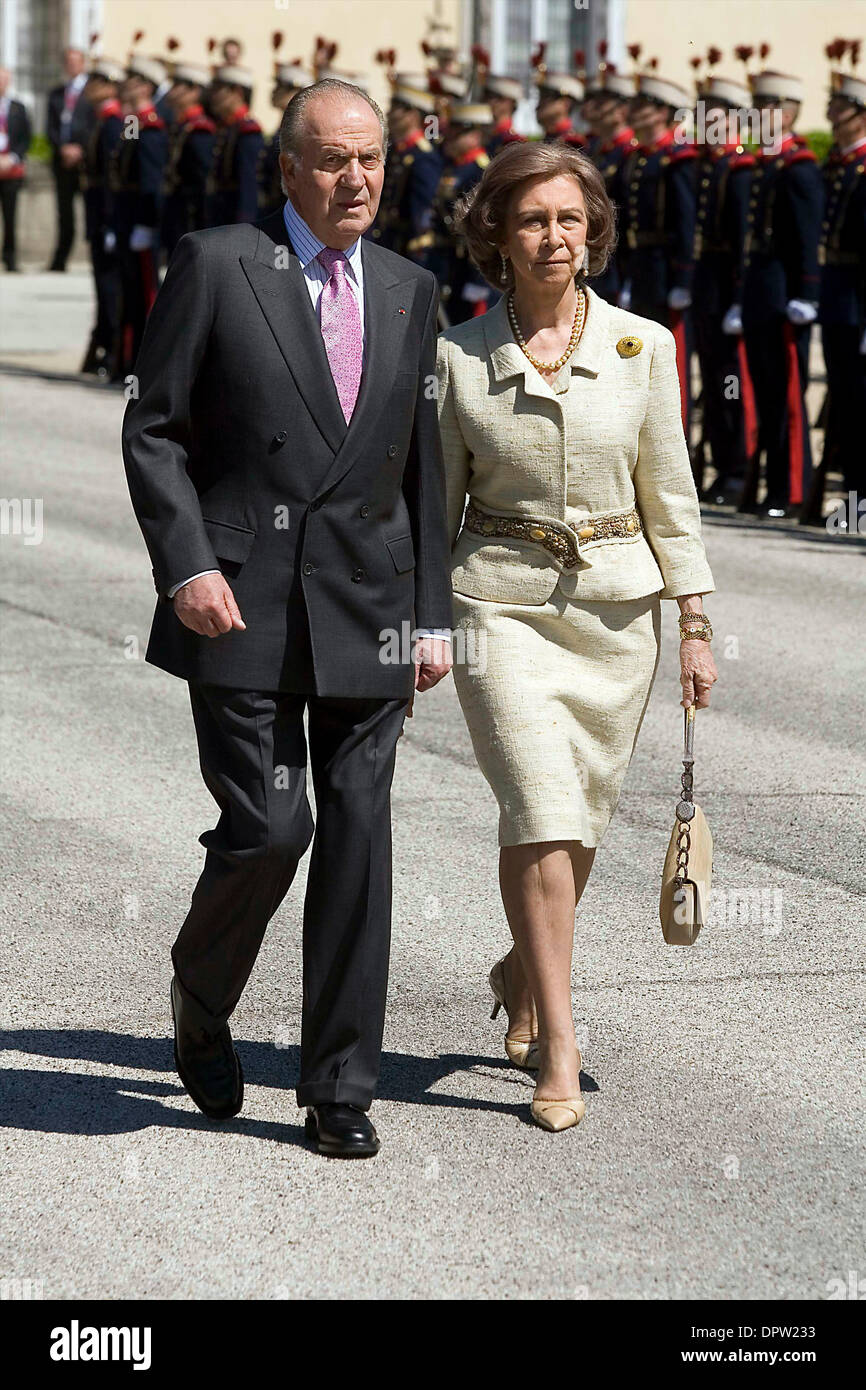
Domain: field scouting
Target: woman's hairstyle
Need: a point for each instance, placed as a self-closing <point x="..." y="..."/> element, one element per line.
<point x="480" y="215"/>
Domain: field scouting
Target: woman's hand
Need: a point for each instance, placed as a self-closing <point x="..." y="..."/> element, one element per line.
<point x="698" y="672"/>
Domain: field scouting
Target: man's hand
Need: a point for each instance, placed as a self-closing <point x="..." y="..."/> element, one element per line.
<point x="70" y="155"/>
<point x="207" y="606"/>
<point x="433" y="660"/>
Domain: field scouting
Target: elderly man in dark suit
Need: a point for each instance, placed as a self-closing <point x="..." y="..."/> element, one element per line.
<point x="284" y="464"/>
<point x="15" y="136"/>
<point x="70" y="120"/>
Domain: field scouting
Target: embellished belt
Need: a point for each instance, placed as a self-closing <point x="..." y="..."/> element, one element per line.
<point x="554" y="536"/>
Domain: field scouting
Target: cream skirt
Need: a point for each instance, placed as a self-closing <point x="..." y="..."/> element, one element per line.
<point x="554" y="696"/>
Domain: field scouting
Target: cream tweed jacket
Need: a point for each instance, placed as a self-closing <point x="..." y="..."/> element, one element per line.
<point x="612" y="441"/>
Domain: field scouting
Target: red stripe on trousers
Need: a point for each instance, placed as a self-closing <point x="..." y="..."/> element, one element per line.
<point x="678" y="328"/>
<point x="747" y="398"/>
<point x="795" y="417"/>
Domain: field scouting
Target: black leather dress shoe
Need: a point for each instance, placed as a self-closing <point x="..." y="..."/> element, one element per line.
<point x="343" y="1131"/>
<point x="207" y="1063"/>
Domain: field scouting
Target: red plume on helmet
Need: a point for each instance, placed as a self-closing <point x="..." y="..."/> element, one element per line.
<point x="172" y="44"/>
<point x="137" y="36"/>
<point x="714" y="56"/>
<point x="537" y="59"/>
<point x="764" y="51"/>
<point x="276" y="39"/>
<point x="635" y="50"/>
<point x="696" y="62"/>
<point x="854" y="51"/>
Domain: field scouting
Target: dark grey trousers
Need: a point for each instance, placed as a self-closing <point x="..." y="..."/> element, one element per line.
<point x="253" y="759"/>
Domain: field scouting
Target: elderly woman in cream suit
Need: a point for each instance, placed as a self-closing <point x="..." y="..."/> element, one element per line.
<point x="567" y="466"/>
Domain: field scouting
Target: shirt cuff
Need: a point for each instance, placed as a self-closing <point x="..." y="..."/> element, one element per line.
<point x="444" y="633"/>
<point x="172" y="592"/>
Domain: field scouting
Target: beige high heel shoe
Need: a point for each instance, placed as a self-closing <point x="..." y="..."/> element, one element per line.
<point x="555" y="1115"/>
<point x="521" y="1052"/>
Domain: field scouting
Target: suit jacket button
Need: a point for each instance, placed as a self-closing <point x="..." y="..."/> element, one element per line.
<point x="365" y="511"/>
<point x="357" y="576"/>
<point x="315" y="505"/>
<point x="308" y="568"/>
<point x="392" y="451"/>
<point x="281" y="437"/>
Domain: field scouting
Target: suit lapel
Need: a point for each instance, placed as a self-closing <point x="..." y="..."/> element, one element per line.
<point x="277" y="281"/>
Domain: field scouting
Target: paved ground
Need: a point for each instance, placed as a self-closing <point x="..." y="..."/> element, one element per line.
<point x="721" y="1152"/>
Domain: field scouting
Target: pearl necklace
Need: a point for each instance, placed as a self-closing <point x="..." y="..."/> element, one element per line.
<point x="576" y="330"/>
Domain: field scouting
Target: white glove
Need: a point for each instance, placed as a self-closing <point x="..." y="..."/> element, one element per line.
<point x="799" y="311"/>
<point x="625" y="296"/>
<point x="141" y="239"/>
<point x="732" y="323"/>
<point x="474" y="294"/>
<point x="863" y="346"/>
<point x="679" y="299"/>
<point x="109" y="241"/>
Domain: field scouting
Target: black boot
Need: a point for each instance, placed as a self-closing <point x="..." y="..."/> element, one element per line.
<point x="206" y="1062"/>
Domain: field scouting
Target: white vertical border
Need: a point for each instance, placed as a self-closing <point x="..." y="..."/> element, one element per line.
<point x="86" y="17"/>
<point x="498" y="33"/>
<point x="9" y="37"/>
<point x="616" y="17"/>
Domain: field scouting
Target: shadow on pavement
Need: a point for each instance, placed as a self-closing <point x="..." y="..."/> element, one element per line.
<point x="73" y="1102"/>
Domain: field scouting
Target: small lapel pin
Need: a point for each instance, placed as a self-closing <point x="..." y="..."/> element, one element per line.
<point x="401" y="311"/>
<point x="629" y="347"/>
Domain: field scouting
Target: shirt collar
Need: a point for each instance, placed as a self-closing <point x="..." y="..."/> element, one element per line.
<point x="307" y="245"/>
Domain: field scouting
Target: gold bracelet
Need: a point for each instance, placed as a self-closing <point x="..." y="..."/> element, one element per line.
<point x="703" y="631"/>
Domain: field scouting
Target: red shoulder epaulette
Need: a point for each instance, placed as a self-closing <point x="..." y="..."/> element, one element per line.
<point x="574" y="138"/>
<point x="201" y="123"/>
<point x="511" y="137"/>
<point x="249" y="126"/>
<point x="150" y="120"/>
<point x="743" y="161"/>
<point x="681" y="152"/>
<point x="111" y="108"/>
<point x="799" y="156"/>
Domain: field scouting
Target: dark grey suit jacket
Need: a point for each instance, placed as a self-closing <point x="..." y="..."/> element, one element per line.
<point x="238" y="457"/>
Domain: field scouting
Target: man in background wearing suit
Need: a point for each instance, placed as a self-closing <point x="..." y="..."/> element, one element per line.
<point x="70" y="120"/>
<point x="14" y="144"/>
<point x="284" y="463"/>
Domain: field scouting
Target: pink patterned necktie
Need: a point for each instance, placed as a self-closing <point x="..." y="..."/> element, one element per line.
<point x="340" y="318"/>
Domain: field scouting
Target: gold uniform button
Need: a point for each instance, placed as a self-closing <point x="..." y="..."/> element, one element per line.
<point x="629" y="347"/>
<point x="488" y="526"/>
<point x="537" y="533"/>
<point x="631" y="524"/>
<point x="586" y="533"/>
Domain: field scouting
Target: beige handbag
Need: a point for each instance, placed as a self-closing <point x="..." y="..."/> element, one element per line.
<point x="685" y="895"/>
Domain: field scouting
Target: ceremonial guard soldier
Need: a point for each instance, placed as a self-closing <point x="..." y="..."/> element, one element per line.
<point x="289" y="79"/>
<point x="464" y="291"/>
<point x="780" y="292"/>
<point x="135" y="180"/>
<point x="559" y="95"/>
<point x="842" y="257"/>
<point x="660" y="210"/>
<point x="503" y="95"/>
<point x="606" y="112"/>
<point x="233" y="194"/>
<point x="724" y="173"/>
<point x="101" y="90"/>
<point x="190" y="155"/>
<point x="413" y="168"/>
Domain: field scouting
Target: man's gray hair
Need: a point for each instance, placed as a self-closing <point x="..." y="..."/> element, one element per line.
<point x="292" y="124"/>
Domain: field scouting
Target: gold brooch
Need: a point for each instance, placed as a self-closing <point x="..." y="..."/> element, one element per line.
<point x="629" y="347"/>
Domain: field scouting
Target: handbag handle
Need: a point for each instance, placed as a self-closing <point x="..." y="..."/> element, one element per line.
<point x="686" y="804"/>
